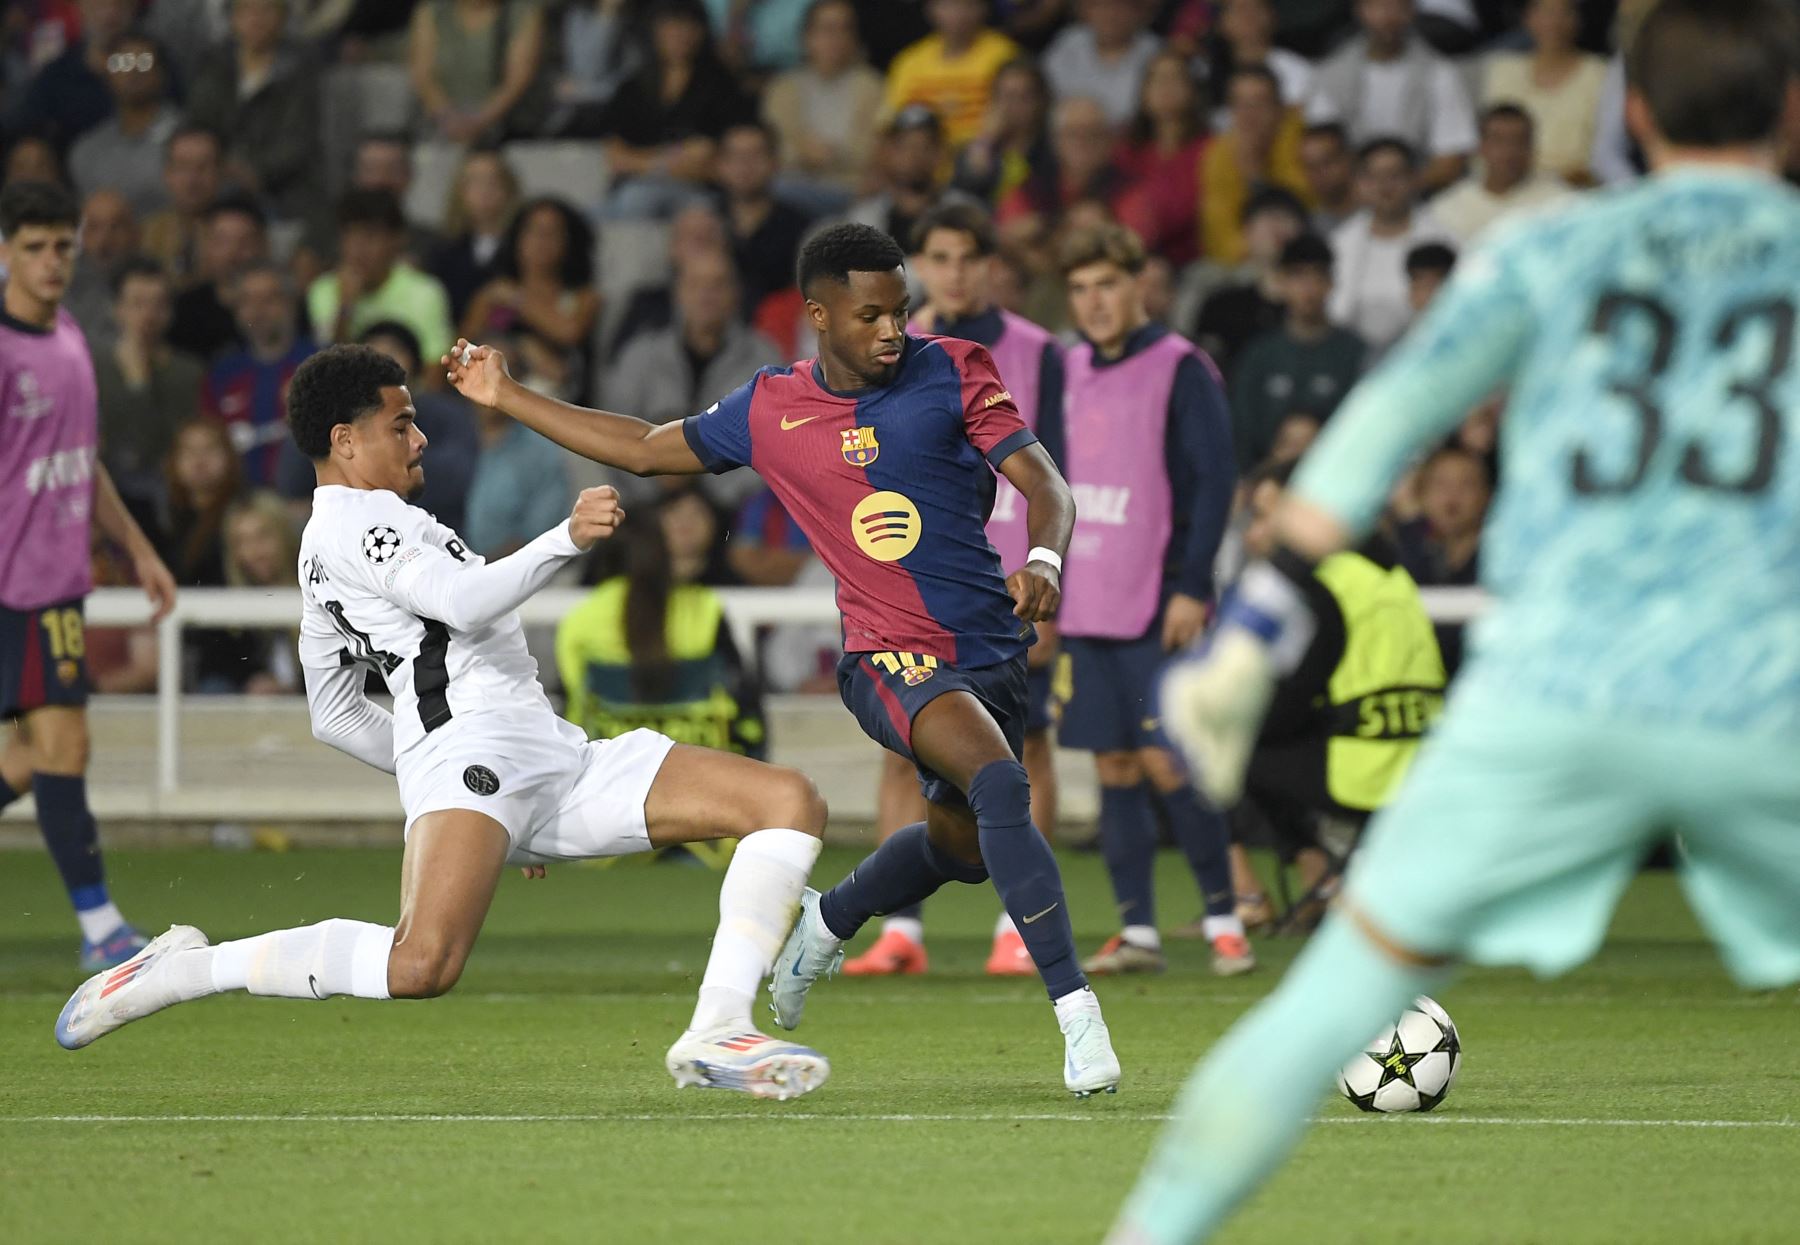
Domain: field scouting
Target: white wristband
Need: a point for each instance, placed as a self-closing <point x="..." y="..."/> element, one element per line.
<point x="1040" y="554"/>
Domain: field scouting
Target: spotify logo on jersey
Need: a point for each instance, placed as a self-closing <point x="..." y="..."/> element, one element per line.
<point x="886" y="526"/>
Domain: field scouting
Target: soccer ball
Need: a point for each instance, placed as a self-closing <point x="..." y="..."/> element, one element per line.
<point x="1409" y="1067"/>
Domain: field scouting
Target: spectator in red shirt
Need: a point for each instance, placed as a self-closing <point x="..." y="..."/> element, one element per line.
<point x="1081" y="140"/>
<point x="1161" y="154"/>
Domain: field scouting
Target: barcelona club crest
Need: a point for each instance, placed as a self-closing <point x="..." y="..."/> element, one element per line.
<point x="915" y="675"/>
<point x="860" y="446"/>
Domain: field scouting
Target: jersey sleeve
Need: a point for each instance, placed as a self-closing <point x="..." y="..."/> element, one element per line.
<point x="720" y="435"/>
<point x="1470" y="341"/>
<point x="342" y="714"/>
<point x="992" y="419"/>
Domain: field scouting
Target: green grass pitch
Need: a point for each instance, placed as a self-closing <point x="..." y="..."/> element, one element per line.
<point x="1642" y="1100"/>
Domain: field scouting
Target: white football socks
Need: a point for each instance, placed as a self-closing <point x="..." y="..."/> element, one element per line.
<point x="99" y="921"/>
<point x="911" y="926"/>
<point x="758" y="901"/>
<point x="1144" y="936"/>
<point x="1004" y="925"/>
<point x="311" y="962"/>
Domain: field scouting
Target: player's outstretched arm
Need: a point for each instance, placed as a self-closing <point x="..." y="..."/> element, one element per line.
<point x="1036" y="587"/>
<point x="635" y="445"/>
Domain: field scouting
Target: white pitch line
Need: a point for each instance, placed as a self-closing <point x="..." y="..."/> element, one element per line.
<point x="776" y="1113"/>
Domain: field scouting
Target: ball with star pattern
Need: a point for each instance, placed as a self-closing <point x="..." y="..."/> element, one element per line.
<point x="1407" y="1067"/>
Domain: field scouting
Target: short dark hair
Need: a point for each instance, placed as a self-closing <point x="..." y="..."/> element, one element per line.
<point x="753" y="123"/>
<point x="138" y="267"/>
<point x="1309" y="250"/>
<point x="1430" y="257"/>
<point x="193" y="129"/>
<point x="835" y="252"/>
<point x="339" y="385"/>
<point x="1103" y="244"/>
<point x="37" y="203"/>
<point x="577" y="268"/>
<point x="236" y="204"/>
<point x="958" y="216"/>
<point x="1387" y="142"/>
<point x="1715" y="72"/>
<point x="1334" y="130"/>
<point x="1259" y="71"/>
<point x="380" y="208"/>
<point x="400" y="333"/>
<point x="1273" y="199"/>
<point x="1506" y="111"/>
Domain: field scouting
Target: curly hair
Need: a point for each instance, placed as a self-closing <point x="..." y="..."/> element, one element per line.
<point x="577" y="266"/>
<point x="339" y="385"/>
<point x="834" y="253"/>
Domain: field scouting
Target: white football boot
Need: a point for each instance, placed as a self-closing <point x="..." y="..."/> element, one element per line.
<point x="1213" y="705"/>
<point x="750" y="1062"/>
<point x="809" y="953"/>
<point x="1089" y="1064"/>
<point x="133" y="990"/>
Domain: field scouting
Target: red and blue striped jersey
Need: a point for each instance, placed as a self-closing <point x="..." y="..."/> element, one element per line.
<point x="892" y="486"/>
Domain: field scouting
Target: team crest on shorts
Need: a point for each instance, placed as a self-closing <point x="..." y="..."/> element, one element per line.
<point x="481" y="780"/>
<point x="380" y="544"/>
<point x="915" y="675"/>
<point x="860" y="446"/>
<point x="68" y="672"/>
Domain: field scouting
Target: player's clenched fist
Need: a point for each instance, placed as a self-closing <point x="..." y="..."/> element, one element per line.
<point x="1036" y="591"/>
<point x="476" y="371"/>
<point x="596" y="516"/>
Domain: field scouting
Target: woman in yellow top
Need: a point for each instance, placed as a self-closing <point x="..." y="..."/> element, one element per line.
<point x="1260" y="147"/>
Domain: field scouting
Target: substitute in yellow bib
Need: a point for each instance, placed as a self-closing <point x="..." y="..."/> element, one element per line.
<point x="1343" y="727"/>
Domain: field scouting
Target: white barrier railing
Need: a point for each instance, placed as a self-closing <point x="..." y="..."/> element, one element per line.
<point x="746" y="609"/>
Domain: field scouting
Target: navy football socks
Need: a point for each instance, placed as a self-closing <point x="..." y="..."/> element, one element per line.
<point x="899" y="874"/>
<point x="1205" y="840"/>
<point x="1128" y="845"/>
<point x="71" y="835"/>
<point x="1024" y="871"/>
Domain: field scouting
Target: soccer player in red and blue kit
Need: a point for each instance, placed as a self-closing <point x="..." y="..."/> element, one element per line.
<point x="884" y="449"/>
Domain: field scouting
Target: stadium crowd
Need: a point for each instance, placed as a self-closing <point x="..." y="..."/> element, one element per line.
<point x="615" y="193"/>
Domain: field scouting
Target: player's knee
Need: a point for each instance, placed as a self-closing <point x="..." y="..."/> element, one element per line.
<point x="423" y="968"/>
<point x="1163" y="770"/>
<point x="1118" y="769"/>
<point x="792" y="800"/>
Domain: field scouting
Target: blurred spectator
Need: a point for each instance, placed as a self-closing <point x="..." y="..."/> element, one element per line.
<point x="1371" y="247"/>
<point x="759" y="36"/>
<point x="704" y="355"/>
<point x="951" y="70"/>
<point x="233" y="233"/>
<point x="825" y="112"/>
<point x="1102" y="56"/>
<point x="246" y="390"/>
<point x="261" y="93"/>
<point x="486" y="195"/>
<point x="520" y="489"/>
<point x="1235" y="313"/>
<point x="473" y="65"/>
<point x="192" y="165"/>
<point x="145" y="388"/>
<point x="125" y="151"/>
<point x="34" y="158"/>
<point x="186" y="518"/>
<point x="1157" y="287"/>
<point x="1558" y="84"/>
<point x="663" y="124"/>
<point x="1442" y="547"/>
<point x="1083" y="169"/>
<point x="1014" y="143"/>
<point x="765" y="232"/>
<point x="69" y="95"/>
<point x="1302" y="369"/>
<point x="1162" y="154"/>
<point x="1428" y="266"/>
<point x="767" y="548"/>
<point x="109" y="236"/>
<point x="371" y="282"/>
<point x="598" y="57"/>
<point x="650" y="647"/>
<point x="1388" y="82"/>
<point x="1507" y="182"/>
<point x="262" y="550"/>
<point x="1329" y="163"/>
<point x="384" y="161"/>
<point x="1259" y="147"/>
<point x="1245" y="35"/>
<point x="696" y="229"/>
<point x="1615" y="156"/>
<point x="543" y="286"/>
<point x="908" y="165"/>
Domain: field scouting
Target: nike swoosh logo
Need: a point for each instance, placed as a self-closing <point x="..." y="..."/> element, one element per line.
<point x="789" y="427"/>
<point x="1045" y="912"/>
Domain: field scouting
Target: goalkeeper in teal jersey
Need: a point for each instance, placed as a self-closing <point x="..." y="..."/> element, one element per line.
<point x="1640" y="672"/>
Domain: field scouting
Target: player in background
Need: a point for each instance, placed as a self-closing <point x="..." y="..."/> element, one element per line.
<point x="1148" y="453"/>
<point x="488" y="773"/>
<point x="53" y="493"/>
<point x="1640" y="671"/>
<point x="883" y="449"/>
<point x="953" y="254"/>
